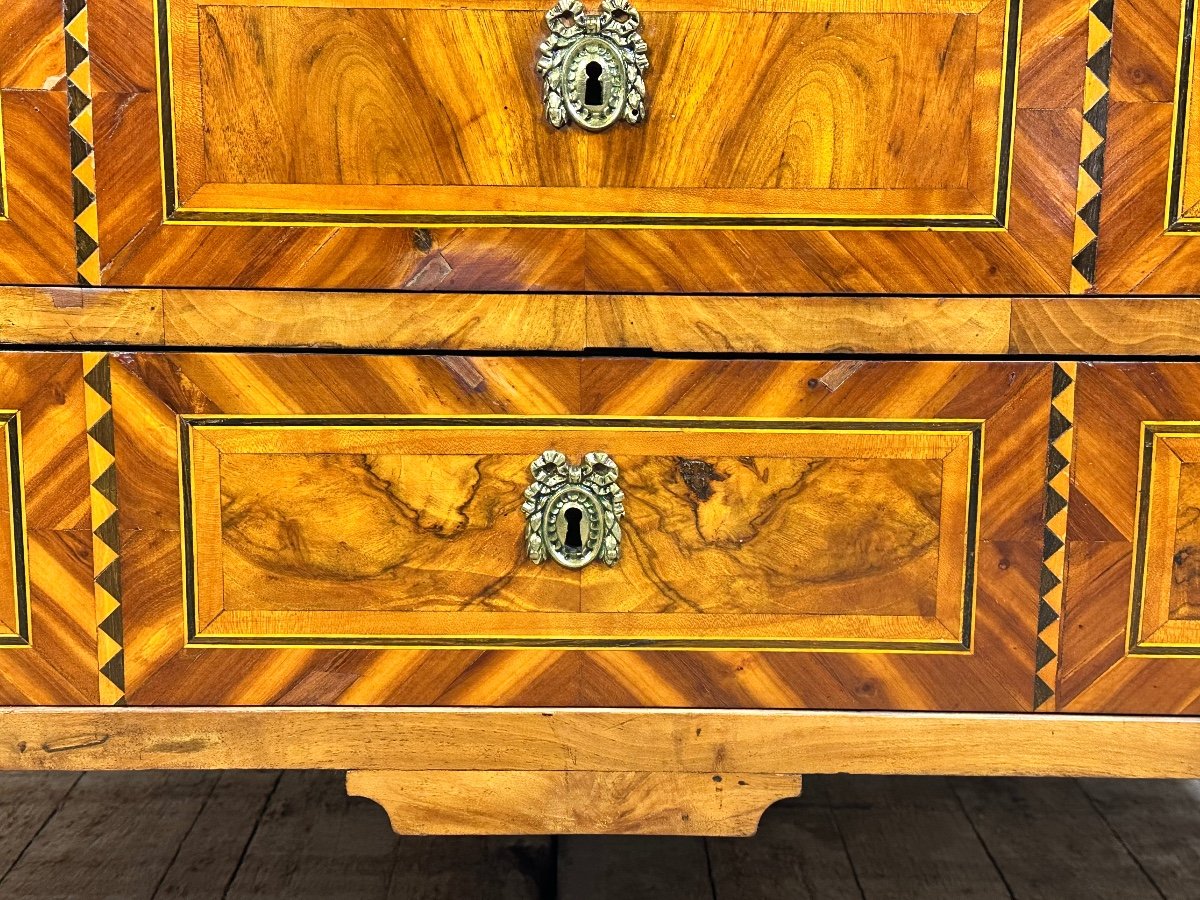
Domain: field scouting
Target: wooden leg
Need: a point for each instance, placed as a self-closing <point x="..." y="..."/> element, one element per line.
<point x="515" y="802"/>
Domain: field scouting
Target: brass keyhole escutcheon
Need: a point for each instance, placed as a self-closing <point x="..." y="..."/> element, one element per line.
<point x="593" y="66"/>
<point x="573" y="513"/>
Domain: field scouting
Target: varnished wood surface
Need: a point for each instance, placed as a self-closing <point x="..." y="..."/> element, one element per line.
<point x="961" y="46"/>
<point x="151" y="391"/>
<point x="466" y="803"/>
<point x="254" y="834"/>
<point x="1105" y="665"/>
<point x="60" y="666"/>
<point x="1138" y="252"/>
<point x="819" y="534"/>
<point x="37" y="234"/>
<point x="252" y="137"/>
<point x="910" y="326"/>
<point x="622" y="740"/>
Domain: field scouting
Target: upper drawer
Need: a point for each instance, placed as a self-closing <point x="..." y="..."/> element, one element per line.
<point x="871" y="147"/>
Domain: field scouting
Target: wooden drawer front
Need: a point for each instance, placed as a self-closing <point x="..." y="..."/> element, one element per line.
<point x="1131" y="629"/>
<point x="47" y="610"/>
<point x="787" y="116"/>
<point x="1150" y="227"/>
<point x="37" y="232"/>
<point x="350" y="531"/>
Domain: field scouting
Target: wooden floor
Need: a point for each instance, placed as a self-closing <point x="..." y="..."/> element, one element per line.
<point x="297" y="835"/>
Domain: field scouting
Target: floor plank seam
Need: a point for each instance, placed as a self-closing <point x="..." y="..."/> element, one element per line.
<point x="837" y="826"/>
<point x="50" y="818"/>
<point x="250" y="839"/>
<point x="1120" y="840"/>
<point x="982" y="843"/>
<point x="183" y="840"/>
<point x="712" y="881"/>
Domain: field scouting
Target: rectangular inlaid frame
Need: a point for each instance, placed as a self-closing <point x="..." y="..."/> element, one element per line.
<point x="1181" y="220"/>
<point x="1148" y="528"/>
<point x="3" y="171"/>
<point x="14" y="495"/>
<point x="176" y="212"/>
<point x="972" y="431"/>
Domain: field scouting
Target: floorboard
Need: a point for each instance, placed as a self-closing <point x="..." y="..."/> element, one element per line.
<point x="1159" y="823"/>
<point x="798" y="854"/>
<point x="297" y="835"/>
<point x="215" y="847"/>
<point x="1049" y="841"/>
<point x="314" y="842"/>
<point x="909" y="837"/>
<point x="113" y="836"/>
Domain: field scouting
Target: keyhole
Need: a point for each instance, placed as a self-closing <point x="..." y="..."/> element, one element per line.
<point x="593" y="92"/>
<point x="574" y="539"/>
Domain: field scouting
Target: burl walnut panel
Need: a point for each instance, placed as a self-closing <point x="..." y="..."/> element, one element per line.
<point x="409" y="532"/>
<point x="335" y="531"/>
<point x="892" y="136"/>
<point x="1131" y="626"/>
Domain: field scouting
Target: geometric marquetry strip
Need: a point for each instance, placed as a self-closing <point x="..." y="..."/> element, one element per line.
<point x="83" y="158"/>
<point x="106" y="545"/>
<point x="1091" y="155"/>
<point x="1054" y="538"/>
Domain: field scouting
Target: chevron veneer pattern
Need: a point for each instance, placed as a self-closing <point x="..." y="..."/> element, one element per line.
<point x="1130" y="637"/>
<point x="734" y="505"/>
<point x="83" y="160"/>
<point x="106" y="545"/>
<point x="1091" y="159"/>
<point x="37" y="245"/>
<point x="1058" y="489"/>
<point x="48" y="649"/>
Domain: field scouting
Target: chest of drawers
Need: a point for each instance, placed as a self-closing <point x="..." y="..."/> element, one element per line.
<point x="593" y="419"/>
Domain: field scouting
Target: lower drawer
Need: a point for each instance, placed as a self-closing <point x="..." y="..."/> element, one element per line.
<point x="317" y="529"/>
<point x="320" y="529"/>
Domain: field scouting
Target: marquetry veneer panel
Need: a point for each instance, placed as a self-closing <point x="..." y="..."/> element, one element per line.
<point x="320" y="531"/>
<point x="317" y="529"/>
<point x="1150" y="223"/>
<point x="37" y="229"/>
<point x="787" y="116"/>
<point x="47" y="611"/>
<point x="1131" y="627"/>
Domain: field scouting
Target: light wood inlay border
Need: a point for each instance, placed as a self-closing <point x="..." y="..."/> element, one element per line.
<point x="16" y="539"/>
<point x="1163" y="451"/>
<point x="1180" y="218"/>
<point x="217" y="207"/>
<point x="898" y="439"/>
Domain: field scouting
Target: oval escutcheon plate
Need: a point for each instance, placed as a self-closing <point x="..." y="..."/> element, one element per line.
<point x="593" y="66"/>
<point x="573" y="513"/>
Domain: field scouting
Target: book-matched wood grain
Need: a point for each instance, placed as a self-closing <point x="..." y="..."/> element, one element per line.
<point x="1149" y="234"/>
<point x="438" y="508"/>
<point x="54" y="659"/>
<point x="37" y="231"/>
<point x="1131" y="640"/>
<point x="441" y="144"/>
